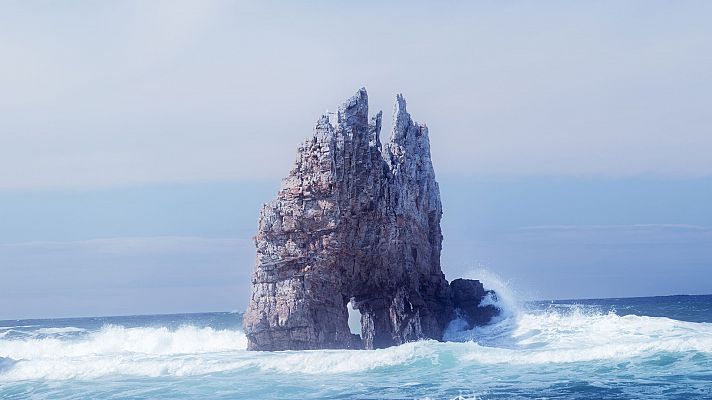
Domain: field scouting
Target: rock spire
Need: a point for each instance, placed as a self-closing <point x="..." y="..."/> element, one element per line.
<point x="354" y="222"/>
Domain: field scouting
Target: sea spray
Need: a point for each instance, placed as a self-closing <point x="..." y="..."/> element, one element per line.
<point x="504" y="298"/>
<point x="507" y="298"/>
<point x="571" y="332"/>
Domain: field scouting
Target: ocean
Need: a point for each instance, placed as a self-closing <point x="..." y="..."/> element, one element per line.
<point x="630" y="348"/>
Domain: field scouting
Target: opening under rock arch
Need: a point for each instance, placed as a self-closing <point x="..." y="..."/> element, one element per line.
<point x="354" y="319"/>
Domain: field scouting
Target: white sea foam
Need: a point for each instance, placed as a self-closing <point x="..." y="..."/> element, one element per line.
<point x="112" y="339"/>
<point x="578" y="336"/>
<point x="570" y="334"/>
<point x="17" y="326"/>
<point x="347" y="361"/>
<point x="505" y="300"/>
<point x="553" y="336"/>
<point x="519" y="337"/>
<point x="117" y="350"/>
<point x="54" y="331"/>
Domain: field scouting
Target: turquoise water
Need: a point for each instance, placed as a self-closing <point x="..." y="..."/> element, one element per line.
<point x="641" y="348"/>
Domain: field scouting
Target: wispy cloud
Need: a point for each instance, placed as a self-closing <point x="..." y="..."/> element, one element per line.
<point x="632" y="227"/>
<point x="139" y="92"/>
<point x="133" y="245"/>
<point x="621" y="235"/>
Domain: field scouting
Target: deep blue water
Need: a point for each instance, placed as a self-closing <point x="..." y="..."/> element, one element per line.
<point x="637" y="348"/>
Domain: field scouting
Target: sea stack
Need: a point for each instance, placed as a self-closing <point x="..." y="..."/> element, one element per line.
<point x="355" y="222"/>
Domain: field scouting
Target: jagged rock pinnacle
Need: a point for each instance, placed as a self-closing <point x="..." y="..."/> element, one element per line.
<point x="355" y="223"/>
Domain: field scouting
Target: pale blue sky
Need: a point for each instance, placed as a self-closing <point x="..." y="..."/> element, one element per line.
<point x="138" y="139"/>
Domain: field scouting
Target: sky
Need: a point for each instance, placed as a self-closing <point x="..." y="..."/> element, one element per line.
<point x="138" y="139"/>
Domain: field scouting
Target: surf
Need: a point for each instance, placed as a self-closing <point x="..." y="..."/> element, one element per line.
<point x="525" y="335"/>
<point x="565" y="333"/>
<point x="547" y="337"/>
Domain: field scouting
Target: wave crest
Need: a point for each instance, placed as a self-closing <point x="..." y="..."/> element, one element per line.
<point x="113" y="339"/>
<point x="558" y="334"/>
<point x="117" y="350"/>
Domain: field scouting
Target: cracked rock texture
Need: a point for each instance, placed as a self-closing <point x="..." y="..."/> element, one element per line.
<point x="355" y="222"/>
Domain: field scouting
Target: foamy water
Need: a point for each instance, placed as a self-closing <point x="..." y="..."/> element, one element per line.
<point x="557" y="350"/>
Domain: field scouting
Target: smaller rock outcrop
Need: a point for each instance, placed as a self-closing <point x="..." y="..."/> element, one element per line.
<point x="467" y="297"/>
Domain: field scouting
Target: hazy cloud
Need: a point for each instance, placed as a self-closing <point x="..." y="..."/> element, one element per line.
<point x="117" y="93"/>
<point x="625" y="235"/>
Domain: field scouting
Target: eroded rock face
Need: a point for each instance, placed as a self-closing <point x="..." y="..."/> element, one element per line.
<point x="353" y="222"/>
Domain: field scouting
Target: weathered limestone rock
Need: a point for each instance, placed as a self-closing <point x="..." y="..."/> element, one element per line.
<point x="354" y="222"/>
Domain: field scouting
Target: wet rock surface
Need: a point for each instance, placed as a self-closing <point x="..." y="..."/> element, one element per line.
<point x="467" y="298"/>
<point x="358" y="222"/>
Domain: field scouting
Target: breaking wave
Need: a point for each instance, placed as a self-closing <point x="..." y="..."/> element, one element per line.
<point x="562" y="333"/>
<point x="113" y="340"/>
<point x="55" y="331"/>
<point x="117" y="350"/>
<point x="557" y="334"/>
<point x="551" y="336"/>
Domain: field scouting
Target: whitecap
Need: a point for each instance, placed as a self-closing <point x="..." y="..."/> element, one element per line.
<point x="117" y="350"/>
<point x="348" y="361"/>
<point x="580" y="336"/>
<point x="54" y="331"/>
